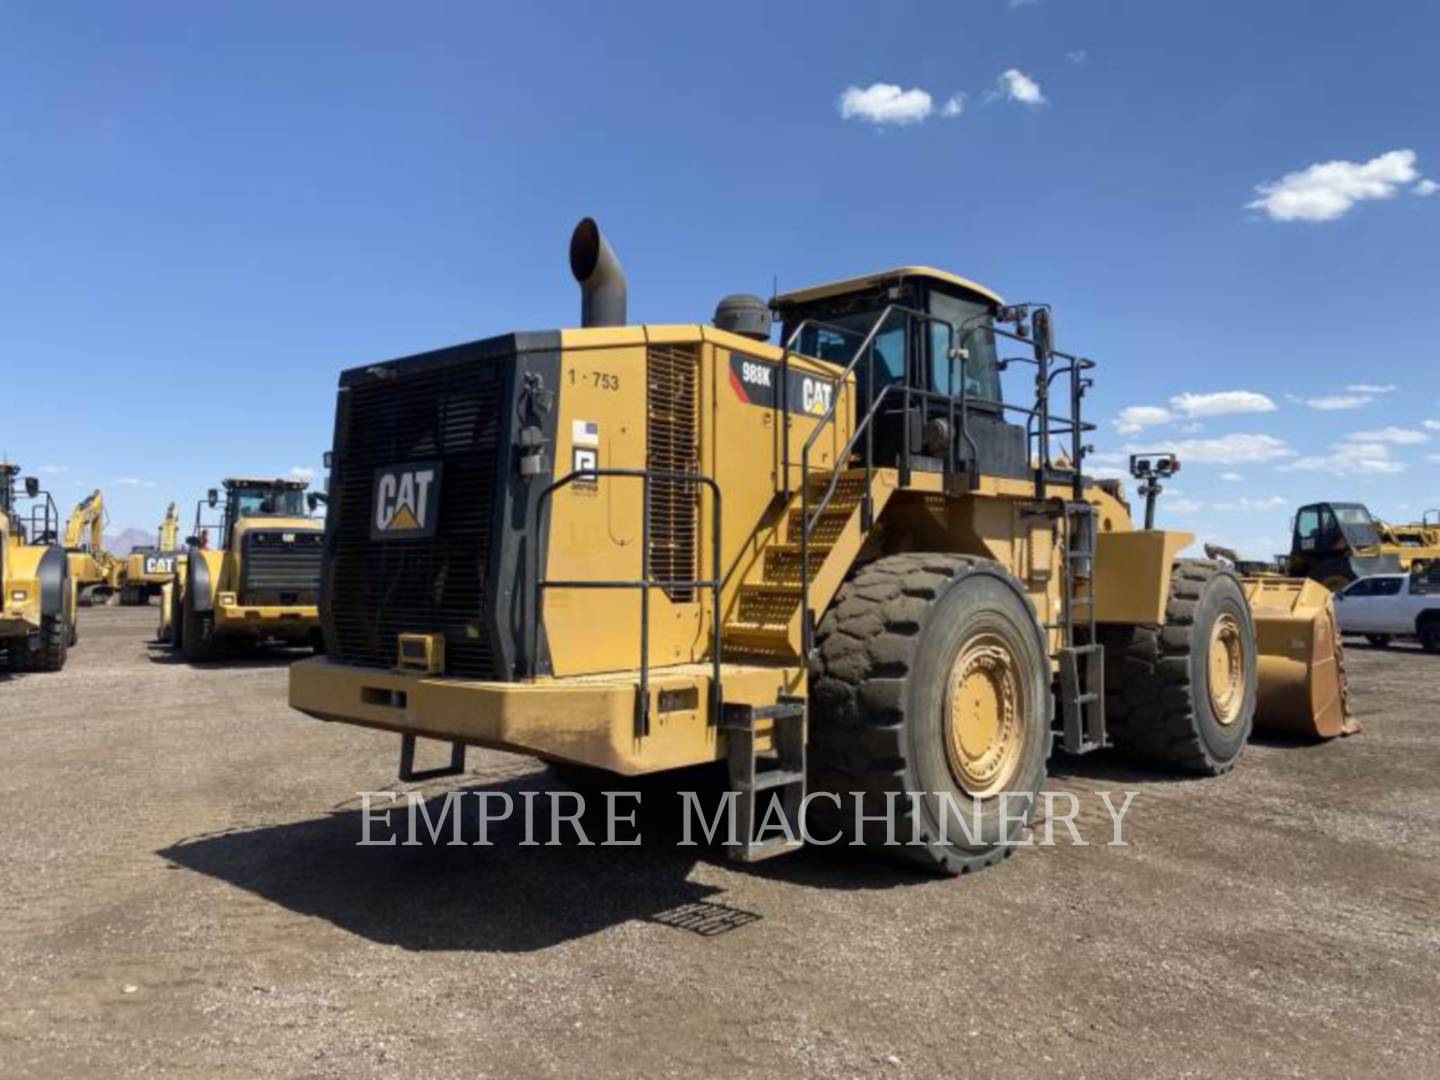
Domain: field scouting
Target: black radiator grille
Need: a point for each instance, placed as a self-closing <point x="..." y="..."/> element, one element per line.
<point x="380" y="589"/>
<point x="672" y="445"/>
<point x="281" y="567"/>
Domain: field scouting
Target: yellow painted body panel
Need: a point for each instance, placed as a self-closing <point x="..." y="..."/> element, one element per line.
<point x="836" y="288"/>
<point x="586" y="720"/>
<point x="1132" y="575"/>
<point x="21" y="566"/>
<point x="226" y="572"/>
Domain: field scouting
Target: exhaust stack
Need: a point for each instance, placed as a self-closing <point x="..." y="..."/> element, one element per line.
<point x="601" y="277"/>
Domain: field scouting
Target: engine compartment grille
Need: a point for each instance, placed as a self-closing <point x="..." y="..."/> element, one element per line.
<point x="437" y="585"/>
<point x="281" y="567"/>
<point x="672" y="445"/>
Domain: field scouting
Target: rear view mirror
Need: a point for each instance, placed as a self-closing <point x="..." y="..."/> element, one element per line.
<point x="212" y="497"/>
<point x="314" y="500"/>
<point x="192" y="541"/>
<point x="32" y="486"/>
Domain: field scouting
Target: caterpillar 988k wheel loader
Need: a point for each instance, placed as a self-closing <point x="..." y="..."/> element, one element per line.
<point x="260" y="584"/>
<point x="844" y="566"/>
<point x="37" y="605"/>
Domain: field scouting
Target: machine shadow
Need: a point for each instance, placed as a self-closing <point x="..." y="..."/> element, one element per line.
<point x="1110" y="766"/>
<point x="509" y="897"/>
<point x="159" y="652"/>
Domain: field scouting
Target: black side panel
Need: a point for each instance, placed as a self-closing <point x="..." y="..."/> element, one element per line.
<point x="200" y="587"/>
<point x="54" y="573"/>
<point x="1001" y="446"/>
<point x="517" y="560"/>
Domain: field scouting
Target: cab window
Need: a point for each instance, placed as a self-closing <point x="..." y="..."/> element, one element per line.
<point x="1387" y="586"/>
<point x="1307" y="528"/>
<point x="979" y="375"/>
<point x="1363" y="587"/>
<point x="838" y="345"/>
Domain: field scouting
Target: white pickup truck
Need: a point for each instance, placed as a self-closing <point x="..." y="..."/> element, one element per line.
<point x="1386" y="606"/>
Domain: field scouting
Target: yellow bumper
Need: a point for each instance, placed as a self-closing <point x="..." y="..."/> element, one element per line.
<point x="231" y="618"/>
<point x="589" y="720"/>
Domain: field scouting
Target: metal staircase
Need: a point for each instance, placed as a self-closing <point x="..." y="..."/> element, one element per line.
<point x="771" y="612"/>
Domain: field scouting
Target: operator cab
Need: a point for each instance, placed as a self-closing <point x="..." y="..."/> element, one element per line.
<point x="248" y="497"/>
<point x="1323" y="528"/>
<point x="831" y="322"/>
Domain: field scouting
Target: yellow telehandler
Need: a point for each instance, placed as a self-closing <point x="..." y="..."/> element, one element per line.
<point x="844" y="566"/>
<point x="37" y="605"/>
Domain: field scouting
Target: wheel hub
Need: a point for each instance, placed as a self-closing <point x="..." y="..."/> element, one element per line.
<point x="1227" y="669"/>
<point x="984" y="716"/>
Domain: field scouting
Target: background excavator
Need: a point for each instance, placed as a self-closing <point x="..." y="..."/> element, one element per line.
<point x="96" y="572"/>
<point x="37" y="593"/>
<point x="148" y="568"/>
<point x="845" y="566"/>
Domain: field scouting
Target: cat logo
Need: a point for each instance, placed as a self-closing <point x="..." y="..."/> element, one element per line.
<point x="406" y="501"/>
<point x="159" y="564"/>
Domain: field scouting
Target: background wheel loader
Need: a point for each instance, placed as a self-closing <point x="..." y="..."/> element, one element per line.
<point x="147" y="569"/>
<point x="846" y="567"/>
<point x="260" y="580"/>
<point x="37" y="605"/>
<point x="1335" y="543"/>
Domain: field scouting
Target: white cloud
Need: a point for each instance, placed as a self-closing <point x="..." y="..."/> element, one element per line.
<point x="1433" y="425"/>
<point x="885" y="103"/>
<point x="953" y="107"/>
<point x="1135" y="418"/>
<point x="1077" y="56"/>
<point x="1017" y="86"/>
<point x="1435" y="458"/>
<point x="131" y="481"/>
<point x="302" y="472"/>
<point x="52" y="470"/>
<point x="1183" y="505"/>
<point x="1328" y="190"/>
<point x="1333" y="402"/>
<point x="1425" y="187"/>
<point x="1226" y="449"/>
<point x="1231" y="477"/>
<point x="1372" y="388"/>
<point x="1397" y="435"/>
<point x="1349" y="459"/>
<point x="1221" y="403"/>
<point x="1245" y="503"/>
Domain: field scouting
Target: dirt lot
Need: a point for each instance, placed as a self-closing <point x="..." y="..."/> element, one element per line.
<point x="182" y="896"/>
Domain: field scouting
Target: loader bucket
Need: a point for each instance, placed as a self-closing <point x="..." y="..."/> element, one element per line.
<point x="1302" y="662"/>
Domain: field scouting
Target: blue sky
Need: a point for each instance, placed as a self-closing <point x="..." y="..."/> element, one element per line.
<point x="211" y="209"/>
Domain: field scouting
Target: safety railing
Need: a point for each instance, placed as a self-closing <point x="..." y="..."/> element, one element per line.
<point x="644" y="583"/>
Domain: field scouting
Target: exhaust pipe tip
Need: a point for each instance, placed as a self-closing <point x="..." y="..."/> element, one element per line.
<point x="601" y="277"/>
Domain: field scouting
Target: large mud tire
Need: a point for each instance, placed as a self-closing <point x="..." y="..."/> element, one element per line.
<point x="54" y="644"/>
<point x="1165" y="706"/>
<point x="883" y="693"/>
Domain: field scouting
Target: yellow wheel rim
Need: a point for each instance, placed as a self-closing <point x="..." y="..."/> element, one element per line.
<point x="1227" y="669"/>
<point x="985" y="716"/>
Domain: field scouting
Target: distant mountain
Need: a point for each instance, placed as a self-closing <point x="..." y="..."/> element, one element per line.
<point x="125" y="539"/>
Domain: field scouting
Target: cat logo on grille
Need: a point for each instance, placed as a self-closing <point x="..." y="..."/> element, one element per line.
<point x="406" y="501"/>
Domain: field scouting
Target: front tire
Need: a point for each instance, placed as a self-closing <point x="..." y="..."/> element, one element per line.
<point x="1379" y="641"/>
<point x="54" y="644"/>
<point x="930" y="675"/>
<point x="1182" y="697"/>
<point x="197" y="641"/>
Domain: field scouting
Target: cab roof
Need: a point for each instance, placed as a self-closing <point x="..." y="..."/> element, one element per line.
<point x="885" y="277"/>
<point x="266" y="481"/>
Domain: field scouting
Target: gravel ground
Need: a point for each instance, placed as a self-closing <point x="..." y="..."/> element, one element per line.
<point x="182" y="896"/>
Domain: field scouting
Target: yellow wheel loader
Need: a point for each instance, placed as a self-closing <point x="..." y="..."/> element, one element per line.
<point x="1335" y="543"/>
<point x="845" y="566"/>
<point x="258" y="581"/>
<point x="37" y="606"/>
<point x="147" y="569"/>
<point x="96" y="572"/>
